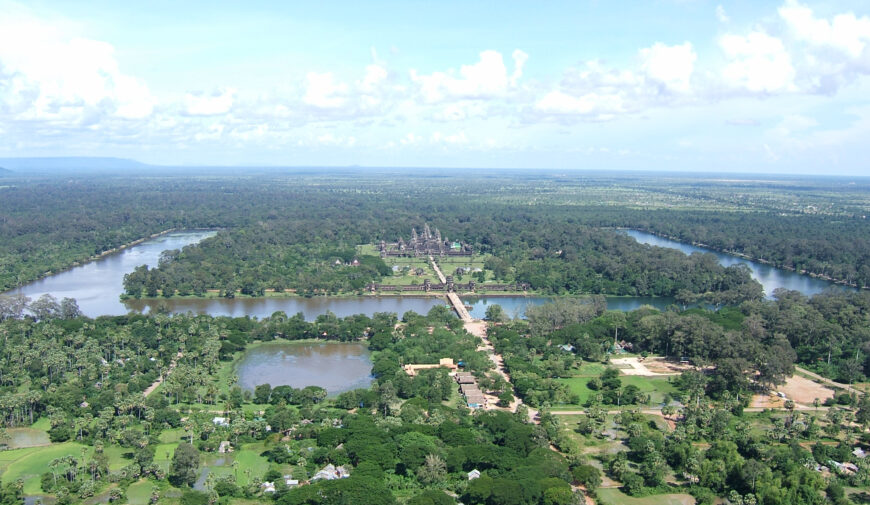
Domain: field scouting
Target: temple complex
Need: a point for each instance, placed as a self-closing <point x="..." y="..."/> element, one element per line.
<point x="423" y="245"/>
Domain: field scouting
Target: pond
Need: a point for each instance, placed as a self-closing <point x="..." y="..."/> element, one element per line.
<point x="20" y="438"/>
<point x="770" y="277"/>
<point x="334" y="366"/>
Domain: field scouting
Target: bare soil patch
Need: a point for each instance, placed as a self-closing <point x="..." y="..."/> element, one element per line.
<point x="648" y="367"/>
<point x="796" y="388"/>
<point x="803" y="390"/>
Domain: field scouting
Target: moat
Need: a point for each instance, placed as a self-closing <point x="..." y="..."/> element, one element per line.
<point x="97" y="286"/>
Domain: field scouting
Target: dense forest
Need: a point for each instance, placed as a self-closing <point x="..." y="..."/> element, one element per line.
<point x="561" y="257"/>
<point x="405" y="439"/>
<point x="142" y="409"/>
<point x="86" y="378"/>
<point x="50" y="223"/>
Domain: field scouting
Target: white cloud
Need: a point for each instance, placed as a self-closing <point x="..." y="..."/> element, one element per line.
<point x="520" y="59"/>
<point x="590" y="104"/>
<point x="598" y="93"/>
<point x="830" y="52"/>
<point x="50" y="74"/>
<point x="671" y="66"/>
<point x="322" y="91"/>
<point x="212" y="132"/>
<point x="488" y="78"/>
<point x="452" y="139"/>
<point x="721" y="15"/>
<point x="845" y="32"/>
<point x="410" y="139"/>
<point x="374" y="77"/>
<point x="211" y="104"/>
<point x="757" y="62"/>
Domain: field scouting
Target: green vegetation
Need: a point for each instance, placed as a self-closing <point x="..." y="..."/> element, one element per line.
<point x="410" y="439"/>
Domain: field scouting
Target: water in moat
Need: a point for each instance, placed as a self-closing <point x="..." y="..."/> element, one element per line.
<point x="97" y="285"/>
<point x="515" y="306"/>
<point x="770" y="277"/>
<point x="334" y="366"/>
<point x="309" y="307"/>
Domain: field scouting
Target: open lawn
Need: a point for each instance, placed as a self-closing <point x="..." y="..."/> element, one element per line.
<point x="248" y="457"/>
<point x="119" y="457"/>
<point x="613" y="496"/>
<point x="139" y="493"/>
<point x="587" y="369"/>
<point x="29" y="464"/>
<point x="43" y="423"/>
<point x="577" y="385"/>
<point x="171" y="435"/>
<point x="163" y="454"/>
<point x="656" y="387"/>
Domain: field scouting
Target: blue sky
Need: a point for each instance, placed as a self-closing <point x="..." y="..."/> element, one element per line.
<point x="658" y="85"/>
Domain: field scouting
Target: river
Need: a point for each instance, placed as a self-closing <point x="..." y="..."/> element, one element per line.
<point x="770" y="277"/>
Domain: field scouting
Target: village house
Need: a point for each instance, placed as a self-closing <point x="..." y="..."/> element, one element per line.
<point x="331" y="472"/>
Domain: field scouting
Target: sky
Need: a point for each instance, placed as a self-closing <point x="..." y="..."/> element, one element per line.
<point x="686" y="85"/>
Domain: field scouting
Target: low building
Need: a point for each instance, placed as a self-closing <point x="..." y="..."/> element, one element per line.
<point x="474" y="474"/>
<point x="331" y="472"/>
<point x="442" y="363"/>
<point x="465" y="378"/>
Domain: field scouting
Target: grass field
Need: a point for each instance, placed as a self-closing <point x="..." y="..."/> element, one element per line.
<point x="29" y="464"/>
<point x="656" y="387"/>
<point x="171" y="435"/>
<point x="163" y="454"/>
<point x="248" y="457"/>
<point x="613" y="496"/>
<point x="43" y="423"/>
<point x="590" y="369"/>
<point x="577" y="385"/>
<point x="139" y="493"/>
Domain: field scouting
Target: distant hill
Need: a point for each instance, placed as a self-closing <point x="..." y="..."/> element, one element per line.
<point x="58" y="164"/>
<point x="4" y="171"/>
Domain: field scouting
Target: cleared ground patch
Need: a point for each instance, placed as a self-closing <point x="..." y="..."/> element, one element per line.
<point x="803" y="390"/>
<point x="797" y="388"/>
<point x="648" y="367"/>
<point x="614" y="496"/>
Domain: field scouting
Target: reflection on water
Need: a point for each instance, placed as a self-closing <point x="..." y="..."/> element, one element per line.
<point x="98" y="285"/>
<point x="20" y="438"/>
<point x="515" y="306"/>
<point x="310" y="307"/>
<point x="769" y="277"/>
<point x="336" y="367"/>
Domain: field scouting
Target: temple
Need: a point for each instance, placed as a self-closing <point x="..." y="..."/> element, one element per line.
<point x="423" y="245"/>
<point x="449" y="286"/>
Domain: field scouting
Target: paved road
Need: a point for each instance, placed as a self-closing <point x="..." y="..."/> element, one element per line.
<point x="453" y="298"/>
